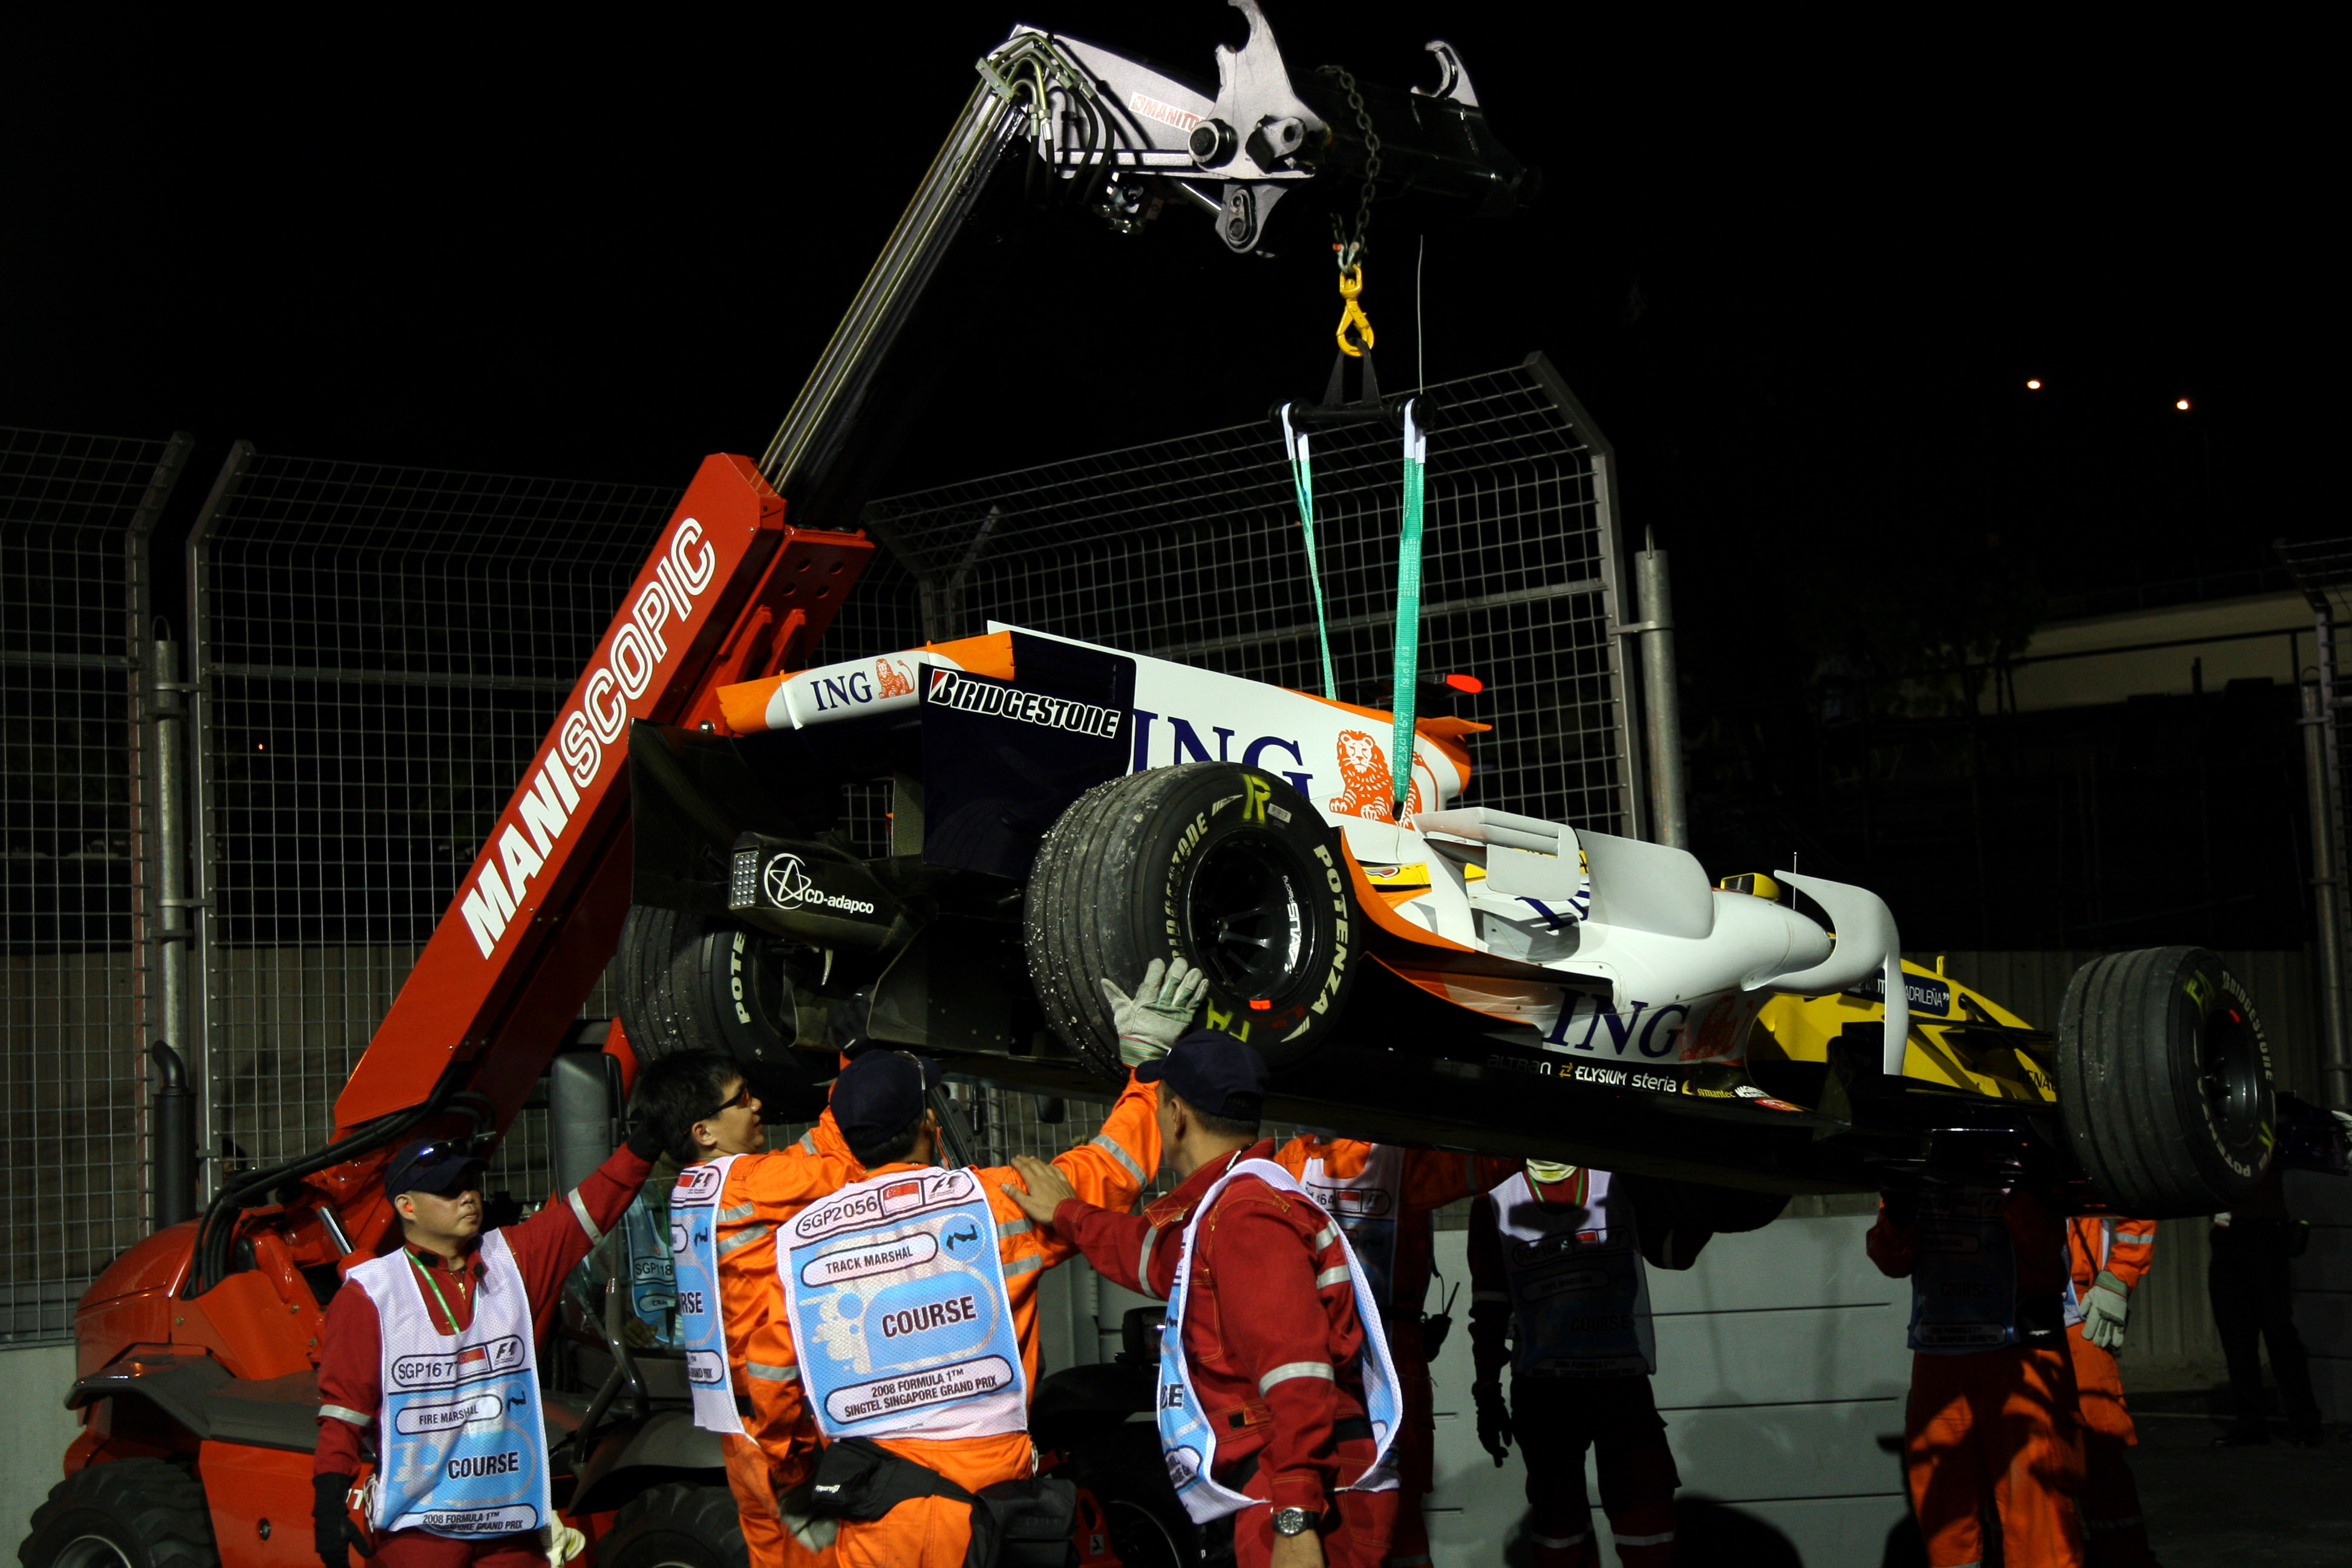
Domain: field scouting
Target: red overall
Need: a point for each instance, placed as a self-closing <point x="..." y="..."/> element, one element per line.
<point x="1271" y="1329"/>
<point x="546" y="1247"/>
<point x="1425" y="1180"/>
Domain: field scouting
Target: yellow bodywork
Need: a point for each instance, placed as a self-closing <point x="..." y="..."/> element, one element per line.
<point x="1943" y="1050"/>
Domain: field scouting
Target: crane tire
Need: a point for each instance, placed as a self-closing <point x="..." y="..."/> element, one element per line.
<point x="2164" y="1082"/>
<point x="676" y="1525"/>
<point x="1224" y="865"/>
<point x="704" y="982"/>
<point x="126" y="1513"/>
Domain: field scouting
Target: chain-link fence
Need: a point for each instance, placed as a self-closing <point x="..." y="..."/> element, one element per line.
<point x="75" y="860"/>
<point x="379" y="652"/>
<point x="2323" y="570"/>
<point x="1191" y="550"/>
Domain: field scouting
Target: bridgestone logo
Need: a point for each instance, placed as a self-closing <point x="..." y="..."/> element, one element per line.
<point x="954" y="688"/>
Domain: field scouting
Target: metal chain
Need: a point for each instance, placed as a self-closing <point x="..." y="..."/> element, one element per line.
<point x="1351" y="250"/>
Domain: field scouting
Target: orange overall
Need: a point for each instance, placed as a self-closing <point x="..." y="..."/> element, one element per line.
<point x="1423" y="1180"/>
<point x="2113" y="1533"/>
<point x="762" y="1192"/>
<point x="1991" y="1417"/>
<point x="1111" y="1170"/>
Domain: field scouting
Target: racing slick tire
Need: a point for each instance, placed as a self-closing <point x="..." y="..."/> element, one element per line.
<point x="127" y="1513"/>
<point x="1224" y="865"/>
<point x="2164" y="1082"/>
<point x="677" y="1526"/>
<point x="703" y="982"/>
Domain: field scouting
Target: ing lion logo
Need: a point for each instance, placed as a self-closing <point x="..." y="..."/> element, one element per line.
<point x="892" y="680"/>
<point x="1368" y="790"/>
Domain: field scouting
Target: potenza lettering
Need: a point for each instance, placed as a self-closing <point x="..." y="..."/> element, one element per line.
<point x="549" y="801"/>
<point x="971" y="694"/>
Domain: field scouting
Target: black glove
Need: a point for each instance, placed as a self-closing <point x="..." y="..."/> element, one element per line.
<point x="331" y="1523"/>
<point x="645" y="1143"/>
<point x="1494" y="1431"/>
<point x="1902" y="1208"/>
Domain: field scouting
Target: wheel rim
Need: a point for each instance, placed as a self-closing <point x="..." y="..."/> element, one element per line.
<point x="2230" y="1074"/>
<point x="91" y="1551"/>
<point x="1139" y="1538"/>
<point x="1247" y="918"/>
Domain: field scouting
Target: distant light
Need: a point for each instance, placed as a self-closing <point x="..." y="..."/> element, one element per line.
<point x="2034" y="385"/>
<point x="1469" y="683"/>
<point x="2182" y="405"/>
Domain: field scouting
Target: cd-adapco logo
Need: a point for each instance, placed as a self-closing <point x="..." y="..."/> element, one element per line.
<point x="786" y="883"/>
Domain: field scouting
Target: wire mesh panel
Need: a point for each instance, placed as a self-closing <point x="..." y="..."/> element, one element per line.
<point x="2323" y="570"/>
<point x="74" y="512"/>
<point x="381" y="652"/>
<point x="1191" y="550"/>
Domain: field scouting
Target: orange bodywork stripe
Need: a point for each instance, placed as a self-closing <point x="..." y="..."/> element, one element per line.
<point x="1370" y="900"/>
<point x="745" y="707"/>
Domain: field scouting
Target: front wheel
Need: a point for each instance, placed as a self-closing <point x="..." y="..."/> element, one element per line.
<point x="2164" y="1082"/>
<point x="1224" y="865"/>
<point x="129" y="1513"/>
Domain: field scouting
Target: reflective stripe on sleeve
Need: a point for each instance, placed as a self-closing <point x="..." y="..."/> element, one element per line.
<point x="743" y="1238"/>
<point x="808" y="1141"/>
<point x="1029" y="1264"/>
<point x="772" y="1374"/>
<point x="1143" y="1261"/>
<point x="1643" y="1539"/>
<point x="345" y="1413"/>
<point x="1336" y="1274"/>
<point x="1291" y="1369"/>
<point x="739" y="1213"/>
<point x="1562" y="1542"/>
<point x="1326" y="1237"/>
<point x="579" y="1213"/>
<point x="1020" y="1226"/>
<point x="1109" y="1145"/>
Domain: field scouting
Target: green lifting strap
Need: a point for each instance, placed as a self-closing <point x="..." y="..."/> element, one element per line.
<point x="1302" y="479"/>
<point x="1408" y="630"/>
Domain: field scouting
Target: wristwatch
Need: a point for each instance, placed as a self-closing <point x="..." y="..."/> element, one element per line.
<point x="1292" y="1522"/>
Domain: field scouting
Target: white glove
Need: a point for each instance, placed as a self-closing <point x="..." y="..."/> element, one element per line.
<point x="2104" y="1311"/>
<point x="1161" y="1009"/>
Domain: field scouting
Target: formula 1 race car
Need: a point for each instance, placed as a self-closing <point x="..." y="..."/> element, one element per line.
<point x="1063" y="812"/>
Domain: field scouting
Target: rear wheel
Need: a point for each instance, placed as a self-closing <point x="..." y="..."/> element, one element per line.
<point x="677" y="1526"/>
<point x="1223" y="865"/>
<point x="2164" y="1082"/>
<point x="705" y="983"/>
<point x="131" y="1513"/>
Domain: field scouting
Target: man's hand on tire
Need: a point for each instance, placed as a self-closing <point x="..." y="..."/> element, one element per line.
<point x="330" y="1523"/>
<point x="2104" y="1308"/>
<point x="1495" y="1433"/>
<point x="1161" y="1009"/>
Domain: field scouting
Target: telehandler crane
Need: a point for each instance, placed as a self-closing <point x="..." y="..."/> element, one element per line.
<point x="197" y="1349"/>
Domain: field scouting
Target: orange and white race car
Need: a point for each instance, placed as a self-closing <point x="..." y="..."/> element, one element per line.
<point x="1450" y="974"/>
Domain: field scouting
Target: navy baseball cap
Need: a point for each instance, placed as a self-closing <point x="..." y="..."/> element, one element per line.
<point x="433" y="1165"/>
<point x="878" y="1093"/>
<point x="1212" y="1072"/>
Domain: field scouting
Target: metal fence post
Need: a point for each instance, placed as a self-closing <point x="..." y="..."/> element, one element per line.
<point x="197" y="1003"/>
<point x="1661" y="720"/>
<point x="2327" y="893"/>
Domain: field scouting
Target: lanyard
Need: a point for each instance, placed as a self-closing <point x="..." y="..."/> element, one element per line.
<point x="434" y="1286"/>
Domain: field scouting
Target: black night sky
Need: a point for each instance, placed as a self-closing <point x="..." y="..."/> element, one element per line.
<point x="1800" y="271"/>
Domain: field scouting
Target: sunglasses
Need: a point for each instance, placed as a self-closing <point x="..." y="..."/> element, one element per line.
<point x="742" y="1102"/>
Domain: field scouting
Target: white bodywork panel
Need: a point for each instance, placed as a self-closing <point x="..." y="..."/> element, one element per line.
<point x="1653" y="964"/>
